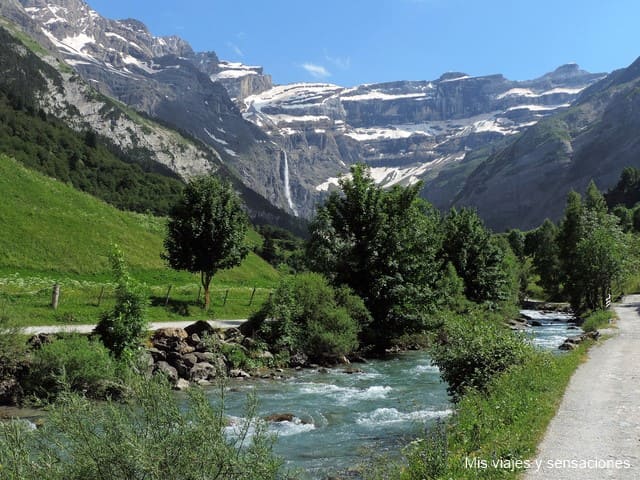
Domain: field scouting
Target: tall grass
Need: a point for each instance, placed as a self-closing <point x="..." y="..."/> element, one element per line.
<point x="598" y="319"/>
<point x="499" y="426"/>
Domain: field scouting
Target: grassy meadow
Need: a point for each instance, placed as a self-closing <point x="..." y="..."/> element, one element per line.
<point x="51" y="233"/>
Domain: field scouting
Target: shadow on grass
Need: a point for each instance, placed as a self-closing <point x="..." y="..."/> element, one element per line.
<point x="179" y="307"/>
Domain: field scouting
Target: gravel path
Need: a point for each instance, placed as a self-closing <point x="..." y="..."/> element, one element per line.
<point x="152" y="326"/>
<point x="596" y="432"/>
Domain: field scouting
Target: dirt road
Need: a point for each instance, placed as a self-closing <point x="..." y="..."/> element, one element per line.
<point x="596" y="432"/>
<point x="152" y="326"/>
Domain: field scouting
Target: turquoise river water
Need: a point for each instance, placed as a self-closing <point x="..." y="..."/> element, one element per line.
<point x="342" y="420"/>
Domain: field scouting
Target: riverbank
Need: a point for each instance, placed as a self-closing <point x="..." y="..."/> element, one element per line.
<point x="493" y="432"/>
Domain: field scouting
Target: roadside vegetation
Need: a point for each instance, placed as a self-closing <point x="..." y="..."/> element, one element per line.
<point x="499" y="425"/>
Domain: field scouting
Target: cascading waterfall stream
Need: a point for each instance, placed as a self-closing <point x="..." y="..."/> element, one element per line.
<point x="287" y="187"/>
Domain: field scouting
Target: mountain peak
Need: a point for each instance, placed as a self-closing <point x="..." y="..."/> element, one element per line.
<point x="452" y="76"/>
<point x="566" y="71"/>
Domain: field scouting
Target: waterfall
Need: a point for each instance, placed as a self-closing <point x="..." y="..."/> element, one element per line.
<point x="287" y="187"/>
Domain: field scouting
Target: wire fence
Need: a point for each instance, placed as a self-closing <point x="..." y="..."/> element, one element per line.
<point x="85" y="299"/>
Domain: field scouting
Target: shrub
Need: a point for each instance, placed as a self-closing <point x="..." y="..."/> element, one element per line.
<point x="154" y="436"/>
<point x="469" y="352"/>
<point x="121" y="329"/>
<point x="307" y="315"/>
<point x="504" y="422"/>
<point x="75" y="363"/>
<point x="598" y="319"/>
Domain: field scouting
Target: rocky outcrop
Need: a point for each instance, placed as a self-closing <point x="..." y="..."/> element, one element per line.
<point x="164" y="78"/>
<point x="185" y="357"/>
<point x="195" y="355"/>
<point x="572" y="343"/>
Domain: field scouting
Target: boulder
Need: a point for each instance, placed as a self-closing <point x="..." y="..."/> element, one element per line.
<point x="190" y="359"/>
<point x="265" y="355"/>
<point x="170" y="372"/>
<point x="298" y="360"/>
<point x="280" y="417"/>
<point x="572" y="342"/>
<point x="352" y="370"/>
<point x="194" y="340"/>
<point x="233" y="335"/>
<point x="173" y="333"/>
<point x="147" y="362"/>
<point x="157" y="355"/>
<point x="183" y="348"/>
<point x="171" y="339"/>
<point x="203" y="371"/>
<point x="181" y="384"/>
<point x="237" y="373"/>
<point x="173" y="358"/>
<point x="199" y="328"/>
<point x="568" y="345"/>
<point x="205" y="356"/>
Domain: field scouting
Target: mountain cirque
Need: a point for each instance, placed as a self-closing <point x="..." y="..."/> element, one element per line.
<point x="290" y="143"/>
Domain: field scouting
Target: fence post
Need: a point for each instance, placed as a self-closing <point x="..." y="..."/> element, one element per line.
<point x="101" y="295"/>
<point x="55" y="296"/>
<point x="252" y="295"/>
<point x="166" y="300"/>
<point x="226" y="294"/>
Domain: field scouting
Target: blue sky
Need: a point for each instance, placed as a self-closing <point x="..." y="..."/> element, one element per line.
<point x="349" y="42"/>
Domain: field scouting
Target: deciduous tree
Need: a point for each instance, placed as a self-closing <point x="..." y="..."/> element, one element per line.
<point x="206" y="230"/>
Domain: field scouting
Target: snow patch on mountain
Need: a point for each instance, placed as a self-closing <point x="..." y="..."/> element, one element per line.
<point x="383" y="176"/>
<point x="379" y="95"/>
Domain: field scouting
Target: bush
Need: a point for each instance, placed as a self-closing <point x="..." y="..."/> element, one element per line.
<point x="121" y="329"/>
<point x="307" y="315"/>
<point x="469" y="352"/>
<point x="598" y="319"/>
<point x="155" y="435"/>
<point x="75" y="363"/>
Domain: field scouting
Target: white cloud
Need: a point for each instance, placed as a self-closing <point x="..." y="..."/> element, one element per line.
<point x="316" y="71"/>
<point x="236" y="49"/>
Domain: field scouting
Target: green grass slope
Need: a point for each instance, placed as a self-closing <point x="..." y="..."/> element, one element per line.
<point x="52" y="232"/>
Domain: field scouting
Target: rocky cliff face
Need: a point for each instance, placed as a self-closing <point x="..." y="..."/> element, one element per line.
<point x="406" y="131"/>
<point x="289" y="143"/>
<point x="62" y="93"/>
<point x="163" y="77"/>
<point x="595" y="138"/>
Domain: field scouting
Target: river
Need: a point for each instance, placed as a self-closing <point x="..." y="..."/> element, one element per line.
<point x="342" y="419"/>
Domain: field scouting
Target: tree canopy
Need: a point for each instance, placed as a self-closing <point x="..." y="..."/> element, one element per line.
<point x="384" y="245"/>
<point x="206" y="230"/>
